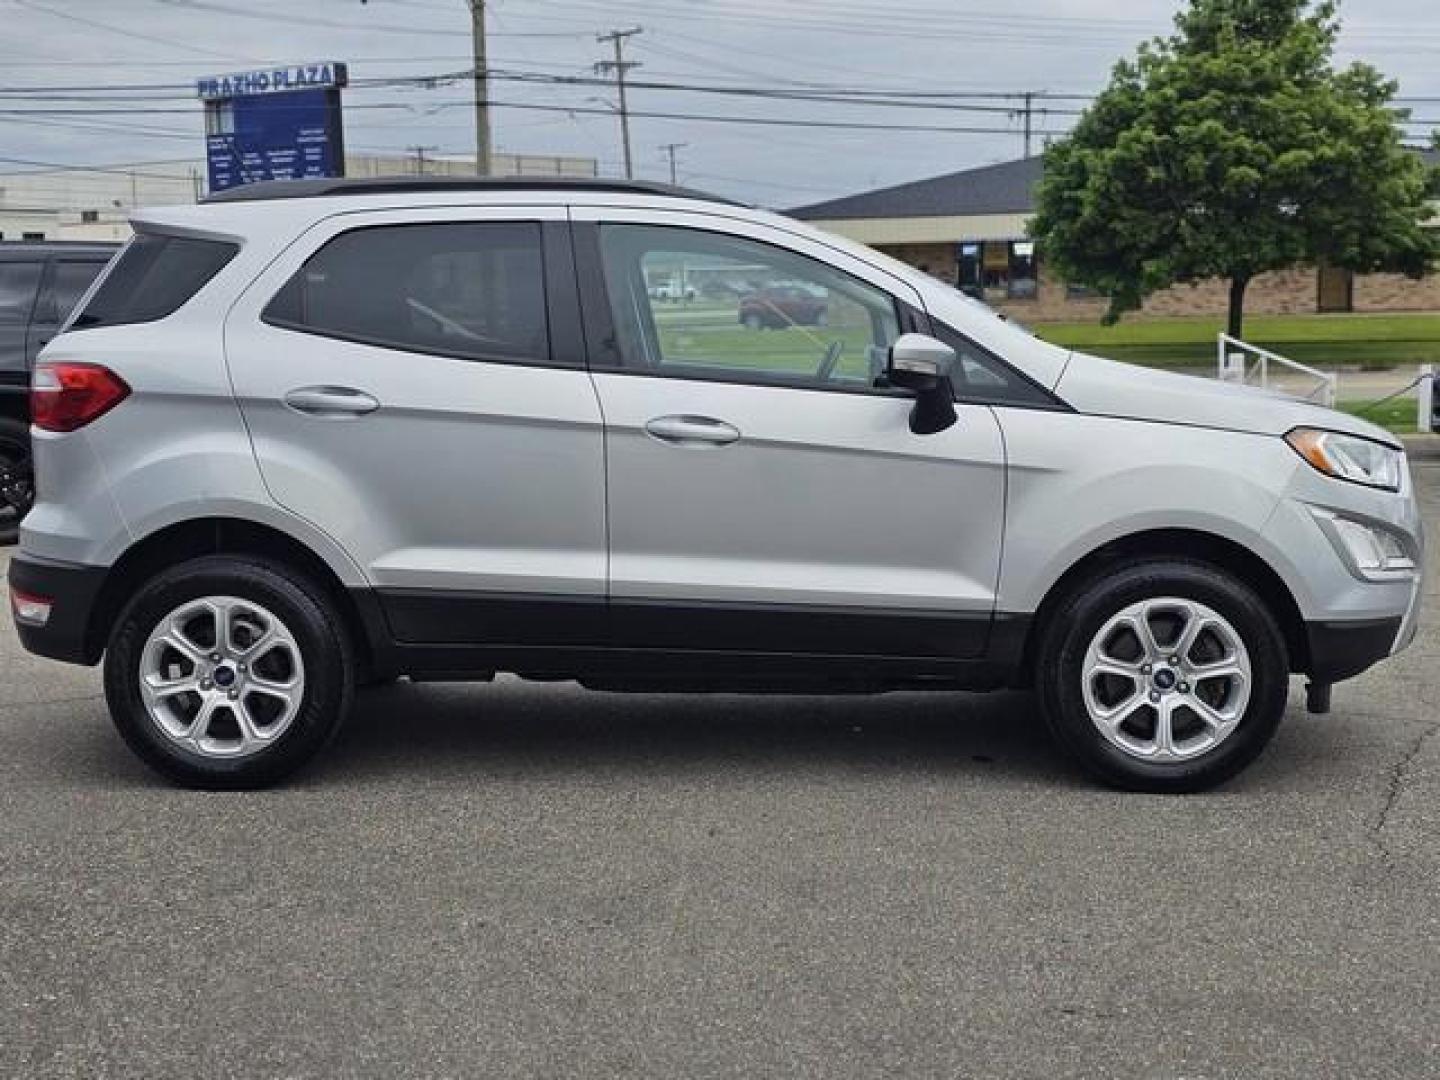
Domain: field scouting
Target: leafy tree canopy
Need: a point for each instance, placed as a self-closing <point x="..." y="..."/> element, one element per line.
<point x="1231" y="148"/>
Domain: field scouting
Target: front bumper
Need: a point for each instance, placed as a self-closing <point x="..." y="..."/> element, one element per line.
<point x="1342" y="650"/>
<point x="1357" y="608"/>
<point x="73" y="591"/>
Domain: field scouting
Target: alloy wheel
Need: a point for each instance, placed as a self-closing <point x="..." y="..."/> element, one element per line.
<point x="1167" y="679"/>
<point x="222" y="677"/>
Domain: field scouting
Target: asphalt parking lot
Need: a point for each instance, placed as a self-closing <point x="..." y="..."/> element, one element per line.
<point x="521" y="880"/>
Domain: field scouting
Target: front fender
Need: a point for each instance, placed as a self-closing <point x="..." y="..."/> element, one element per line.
<point x="1078" y="482"/>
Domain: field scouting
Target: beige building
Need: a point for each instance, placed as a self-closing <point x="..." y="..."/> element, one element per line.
<point x="94" y="204"/>
<point x="969" y="228"/>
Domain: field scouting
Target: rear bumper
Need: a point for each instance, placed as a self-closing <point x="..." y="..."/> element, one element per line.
<point x="73" y="591"/>
<point x="1342" y="650"/>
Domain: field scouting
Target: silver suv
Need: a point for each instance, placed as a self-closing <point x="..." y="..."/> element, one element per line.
<point x="314" y="435"/>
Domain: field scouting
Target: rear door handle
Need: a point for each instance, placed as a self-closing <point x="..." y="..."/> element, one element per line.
<point x="692" y="430"/>
<point x="331" y="401"/>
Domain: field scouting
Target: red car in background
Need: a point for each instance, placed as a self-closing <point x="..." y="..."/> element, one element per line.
<point x="778" y="306"/>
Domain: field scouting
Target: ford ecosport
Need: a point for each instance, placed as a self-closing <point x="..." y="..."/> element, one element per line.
<point x="314" y="434"/>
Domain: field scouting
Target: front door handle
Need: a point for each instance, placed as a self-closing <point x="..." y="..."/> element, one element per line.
<point x="331" y="401"/>
<point x="692" y="431"/>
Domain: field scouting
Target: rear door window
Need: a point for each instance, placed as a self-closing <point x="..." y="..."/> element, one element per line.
<point x="18" y="282"/>
<point x="152" y="278"/>
<point x="69" y="278"/>
<point x="471" y="290"/>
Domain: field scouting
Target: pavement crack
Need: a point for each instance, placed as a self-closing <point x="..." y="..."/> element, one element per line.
<point x="1397" y="777"/>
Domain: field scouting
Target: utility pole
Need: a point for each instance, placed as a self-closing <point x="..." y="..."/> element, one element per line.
<point x="1029" y="110"/>
<point x="620" y="66"/>
<point x="420" y="152"/>
<point x="482" y="88"/>
<point x="1027" y="113"/>
<point x="670" y="148"/>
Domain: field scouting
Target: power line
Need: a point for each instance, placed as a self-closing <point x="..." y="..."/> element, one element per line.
<point x="764" y="120"/>
<point x="834" y="93"/>
<point x="273" y="17"/>
<point x="44" y="166"/>
<point x="926" y="21"/>
<point x="119" y="31"/>
<point x="587" y="111"/>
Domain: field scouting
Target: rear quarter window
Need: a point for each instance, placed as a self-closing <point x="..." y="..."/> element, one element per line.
<point x="468" y="290"/>
<point x="152" y="278"/>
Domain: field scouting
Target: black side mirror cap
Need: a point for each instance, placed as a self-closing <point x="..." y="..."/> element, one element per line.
<point x="934" y="409"/>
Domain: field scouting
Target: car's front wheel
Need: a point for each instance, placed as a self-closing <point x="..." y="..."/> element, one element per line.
<point x="224" y="672"/>
<point x="1165" y="675"/>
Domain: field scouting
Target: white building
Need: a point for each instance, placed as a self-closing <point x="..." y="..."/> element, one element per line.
<point x="71" y="204"/>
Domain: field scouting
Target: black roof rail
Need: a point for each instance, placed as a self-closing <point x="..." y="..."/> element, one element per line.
<point x="316" y="187"/>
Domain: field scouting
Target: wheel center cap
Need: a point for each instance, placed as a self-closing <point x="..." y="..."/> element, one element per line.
<point x="224" y="676"/>
<point x="1165" y="679"/>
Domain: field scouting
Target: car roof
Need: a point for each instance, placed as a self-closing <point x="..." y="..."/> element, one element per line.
<point x="288" y="207"/>
<point x="30" y="249"/>
<point x="316" y="187"/>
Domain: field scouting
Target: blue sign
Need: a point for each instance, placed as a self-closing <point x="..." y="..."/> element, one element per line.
<point x="272" y="81"/>
<point x="282" y="124"/>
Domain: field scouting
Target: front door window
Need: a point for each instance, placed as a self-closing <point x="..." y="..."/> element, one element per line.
<point x="698" y="304"/>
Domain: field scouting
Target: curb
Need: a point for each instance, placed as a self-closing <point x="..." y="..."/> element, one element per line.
<point x="1422" y="447"/>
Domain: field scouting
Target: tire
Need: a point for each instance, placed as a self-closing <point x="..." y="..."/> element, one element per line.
<point x="753" y="322"/>
<point x="14" y="449"/>
<point x="1091" y="654"/>
<point x="299" y="702"/>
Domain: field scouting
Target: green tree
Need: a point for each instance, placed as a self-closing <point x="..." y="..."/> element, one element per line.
<point x="1231" y="148"/>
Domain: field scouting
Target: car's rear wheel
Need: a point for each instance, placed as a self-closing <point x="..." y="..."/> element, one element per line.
<point x="228" y="673"/>
<point x="17" y="481"/>
<point x="753" y="321"/>
<point x="1164" y="676"/>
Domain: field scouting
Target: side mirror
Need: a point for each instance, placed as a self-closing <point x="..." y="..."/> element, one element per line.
<point x="921" y="364"/>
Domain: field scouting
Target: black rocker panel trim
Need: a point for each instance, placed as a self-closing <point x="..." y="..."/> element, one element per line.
<point x="428" y="617"/>
<point x="433" y="617"/>
<point x="779" y="628"/>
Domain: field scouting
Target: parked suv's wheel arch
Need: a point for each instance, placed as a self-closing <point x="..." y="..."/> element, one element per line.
<point x="1178" y="543"/>
<point x="229" y="536"/>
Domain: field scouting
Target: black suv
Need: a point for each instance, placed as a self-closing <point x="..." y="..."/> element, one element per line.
<point x="39" y="284"/>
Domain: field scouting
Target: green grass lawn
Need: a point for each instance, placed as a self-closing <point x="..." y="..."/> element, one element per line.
<point x="707" y="335"/>
<point x="1398" y="415"/>
<point x="1371" y="341"/>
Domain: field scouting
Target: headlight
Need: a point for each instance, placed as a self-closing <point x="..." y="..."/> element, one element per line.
<point x="1349" y="457"/>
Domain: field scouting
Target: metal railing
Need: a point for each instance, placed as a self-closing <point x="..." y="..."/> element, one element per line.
<point x="1235" y="365"/>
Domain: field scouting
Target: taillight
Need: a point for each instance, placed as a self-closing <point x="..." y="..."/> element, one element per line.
<point x="64" y="397"/>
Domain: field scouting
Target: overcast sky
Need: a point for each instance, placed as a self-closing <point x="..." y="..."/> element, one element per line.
<point x="1063" y="46"/>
